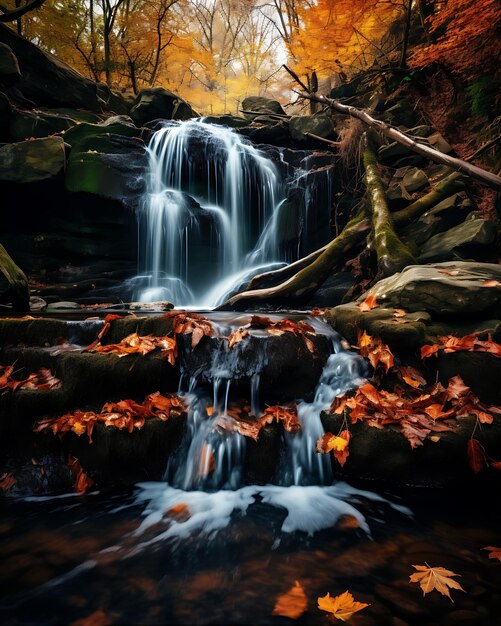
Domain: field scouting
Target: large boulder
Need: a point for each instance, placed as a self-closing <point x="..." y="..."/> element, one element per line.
<point x="259" y="106"/>
<point x="32" y="161"/>
<point x="106" y="160"/>
<point x="159" y="103"/>
<point x="9" y="67"/>
<point x="471" y="239"/>
<point x="319" y="124"/>
<point x="47" y="81"/>
<point x="456" y="288"/>
<point x="26" y="124"/>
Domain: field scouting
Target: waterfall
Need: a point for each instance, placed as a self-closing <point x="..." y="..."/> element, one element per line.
<point x="209" y="197"/>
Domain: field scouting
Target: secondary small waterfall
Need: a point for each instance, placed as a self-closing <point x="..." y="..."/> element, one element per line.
<point x="206" y="220"/>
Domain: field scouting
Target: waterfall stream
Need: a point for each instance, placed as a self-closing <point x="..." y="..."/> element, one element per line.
<point x="207" y="216"/>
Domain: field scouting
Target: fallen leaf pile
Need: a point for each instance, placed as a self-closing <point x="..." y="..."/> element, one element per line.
<point x="376" y="351"/>
<point x="300" y="329"/>
<point x="42" y="380"/>
<point x="186" y="323"/>
<point x="135" y="344"/>
<point x="469" y="343"/>
<point x="417" y="414"/>
<point x="126" y="414"/>
<point x="239" y="418"/>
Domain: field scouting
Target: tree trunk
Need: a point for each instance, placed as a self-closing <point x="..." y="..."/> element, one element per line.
<point x="392" y="254"/>
<point x="488" y="178"/>
<point x="305" y="282"/>
<point x="407" y="30"/>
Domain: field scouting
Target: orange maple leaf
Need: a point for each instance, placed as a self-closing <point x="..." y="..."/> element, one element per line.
<point x="342" y="607"/>
<point x="291" y="604"/>
<point x="435" y="578"/>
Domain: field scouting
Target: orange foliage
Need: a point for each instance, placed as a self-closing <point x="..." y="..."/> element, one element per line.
<point x="467" y="37"/>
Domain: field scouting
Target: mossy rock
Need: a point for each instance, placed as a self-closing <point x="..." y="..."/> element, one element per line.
<point x="32" y="161"/>
<point x="99" y="138"/>
<point x="383" y="454"/>
<point x="32" y="332"/>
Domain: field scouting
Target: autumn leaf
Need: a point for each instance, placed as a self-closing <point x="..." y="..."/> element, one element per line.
<point x="291" y="604"/>
<point x="301" y="329"/>
<point x="411" y="376"/>
<point x="193" y="324"/>
<point x="42" y="380"/>
<point x="368" y="304"/>
<point x="429" y="350"/>
<point x="435" y="578"/>
<point x="376" y="351"/>
<point x="337" y="444"/>
<point x="477" y="458"/>
<point x="342" y="607"/>
<point x="494" y="553"/>
<point x="467" y="343"/>
<point x="136" y="344"/>
<point x="287" y="415"/>
<point x="82" y="482"/>
<point x="237" y="336"/>
<point x="491" y="283"/>
<point x="104" y="331"/>
<point x="399" y="313"/>
<point x="7" y="481"/>
<point x="206" y="462"/>
<point x="180" y="511"/>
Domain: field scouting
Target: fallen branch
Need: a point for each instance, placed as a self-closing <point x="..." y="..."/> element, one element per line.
<point x="490" y="179"/>
<point x="335" y="144"/>
<point x="306" y="281"/>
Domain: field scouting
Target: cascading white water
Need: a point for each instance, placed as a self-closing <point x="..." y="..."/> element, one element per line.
<point x="209" y="197"/>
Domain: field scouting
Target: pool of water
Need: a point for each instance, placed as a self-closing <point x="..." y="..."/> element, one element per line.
<point x="155" y="555"/>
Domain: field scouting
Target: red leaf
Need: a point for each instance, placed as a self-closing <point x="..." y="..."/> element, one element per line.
<point x="476" y="455"/>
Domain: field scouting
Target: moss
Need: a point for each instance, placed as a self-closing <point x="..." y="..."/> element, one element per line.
<point x="34" y="332"/>
<point x="85" y="137"/>
<point x="392" y="254"/>
<point x="159" y="326"/>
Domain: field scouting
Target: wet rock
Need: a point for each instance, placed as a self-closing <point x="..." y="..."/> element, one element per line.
<point x="463" y="617"/>
<point x="402" y="602"/>
<point x="443" y="288"/>
<point x="162" y="305"/>
<point x="37" y="304"/>
<point x="32" y="161"/>
<point x="57" y="307"/>
<point x="271" y="134"/>
<point x="232" y="121"/>
<point x="261" y="105"/>
<point x="319" y="124"/>
<point x="106" y="160"/>
<point x="26" y="124"/>
<point x="9" y="67"/>
<point x="471" y="239"/>
<point x="159" y="103"/>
